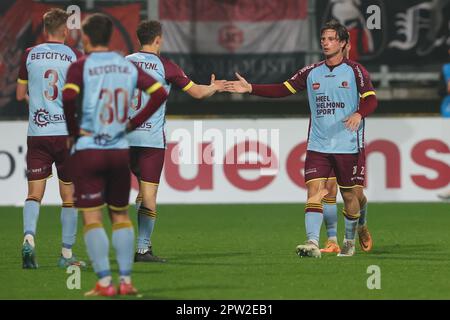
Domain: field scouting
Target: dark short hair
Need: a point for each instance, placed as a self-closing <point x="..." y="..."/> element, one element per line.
<point x="98" y="27"/>
<point x="341" y="31"/>
<point x="147" y="31"/>
<point x="54" y="19"/>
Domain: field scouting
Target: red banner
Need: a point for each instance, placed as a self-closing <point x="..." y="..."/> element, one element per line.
<point x="21" y="24"/>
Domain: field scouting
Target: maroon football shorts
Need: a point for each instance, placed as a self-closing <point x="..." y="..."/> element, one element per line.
<point x="42" y="152"/>
<point x="348" y="168"/>
<point x="101" y="176"/>
<point x="147" y="163"/>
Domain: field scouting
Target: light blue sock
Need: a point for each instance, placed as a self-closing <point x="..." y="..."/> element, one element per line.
<point x="69" y="221"/>
<point x="30" y="217"/>
<point x="97" y="245"/>
<point x="331" y="219"/>
<point x="363" y="218"/>
<point x="123" y="242"/>
<point x="313" y="221"/>
<point x="146" y="224"/>
<point x="350" y="228"/>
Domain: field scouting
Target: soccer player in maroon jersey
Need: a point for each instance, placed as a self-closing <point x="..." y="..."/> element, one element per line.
<point x="340" y="96"/>
<point x="41" y="78"/>
<point x="148" y="142"/>
<point x="105" y="81"/>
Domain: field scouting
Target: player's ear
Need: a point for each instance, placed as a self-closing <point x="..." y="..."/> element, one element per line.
<point x="158" y="40"/>
<point x="66" y="32"/>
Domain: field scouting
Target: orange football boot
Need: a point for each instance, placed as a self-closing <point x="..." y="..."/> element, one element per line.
<point x="365" y="239"/>
<point x="331" y="247"/>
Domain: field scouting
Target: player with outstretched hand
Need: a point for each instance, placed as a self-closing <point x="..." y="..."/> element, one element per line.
<point x="330" y="210"/>
<point x="105" y="81"/>
<point x="340" y="96"/>
<point x="148" y="142"/>
<point x="41" y="79"/>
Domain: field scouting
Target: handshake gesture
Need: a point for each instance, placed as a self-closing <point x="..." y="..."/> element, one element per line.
<point x="238" y="86"/>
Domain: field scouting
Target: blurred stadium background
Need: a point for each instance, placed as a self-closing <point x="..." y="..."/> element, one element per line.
<point x="408" y="143"/>
<point x="266" y="41"/>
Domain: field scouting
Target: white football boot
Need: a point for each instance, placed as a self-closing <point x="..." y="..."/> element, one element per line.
<point x="309" y="249"/>
<point x="348" y="248"/>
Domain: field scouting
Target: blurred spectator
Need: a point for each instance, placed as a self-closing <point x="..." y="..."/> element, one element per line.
<point x="445" y="89"/>
<point x="445" y="106"/>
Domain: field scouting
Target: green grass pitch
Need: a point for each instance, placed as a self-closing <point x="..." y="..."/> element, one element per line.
<point x="248" y="252"/>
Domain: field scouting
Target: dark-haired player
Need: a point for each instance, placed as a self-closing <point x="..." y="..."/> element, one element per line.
<point x="148" y="142"/>
<point x="340" y="96"/>
<point x="105" y="82"/>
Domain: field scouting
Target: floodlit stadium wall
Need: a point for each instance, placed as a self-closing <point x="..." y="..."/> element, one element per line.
<point x="408" y="159"/>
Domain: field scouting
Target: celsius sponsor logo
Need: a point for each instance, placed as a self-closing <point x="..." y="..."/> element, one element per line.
<point x="42" y="118"/>
<point x="316" y="86"/>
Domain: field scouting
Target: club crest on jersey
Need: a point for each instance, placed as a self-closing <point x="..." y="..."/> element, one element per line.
<point x="316" y="86"/>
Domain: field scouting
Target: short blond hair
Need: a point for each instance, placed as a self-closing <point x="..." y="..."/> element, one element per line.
<point x="54" y="19"/>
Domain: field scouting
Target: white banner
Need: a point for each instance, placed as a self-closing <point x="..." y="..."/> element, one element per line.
<point x="408" y="159"/>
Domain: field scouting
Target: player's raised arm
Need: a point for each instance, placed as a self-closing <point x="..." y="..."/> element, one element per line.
<point x="175" y="75"/>
<point x="158" y="95"/>
<point x="278" y="90"/>
<point x="200" y="91"/>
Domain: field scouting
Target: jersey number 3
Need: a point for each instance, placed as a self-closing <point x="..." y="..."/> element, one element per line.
<point x="52" y="76"/>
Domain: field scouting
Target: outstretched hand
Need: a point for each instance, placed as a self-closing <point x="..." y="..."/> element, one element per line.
<point x="239" y="86"/>
<point x="219" y="85"/>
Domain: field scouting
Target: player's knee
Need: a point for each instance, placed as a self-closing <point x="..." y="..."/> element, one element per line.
<point x="348" y="195"/>
<point x="119" y="216"/>
<point x="318" y="196"/>
<point x="35" y="195"/>
<point x="332" y="190"/>
<point x="32" y="197"/>
<point x="149" y="202"/>
<point x="67" y="197"/>
<point x="351" y="214"/>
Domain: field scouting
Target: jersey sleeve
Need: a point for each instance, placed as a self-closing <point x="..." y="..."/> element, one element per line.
<point x="146" y="82"/>
<point x="298" y="81"/>
<point x="363" y="82"/>
<point x="176" y="75"/>
<point x="23" y="71"/>
<point x="74" y="79"/>
<point x="71" y="90"/>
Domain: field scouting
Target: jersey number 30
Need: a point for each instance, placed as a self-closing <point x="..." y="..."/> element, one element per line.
<point x="112" y="111"/>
